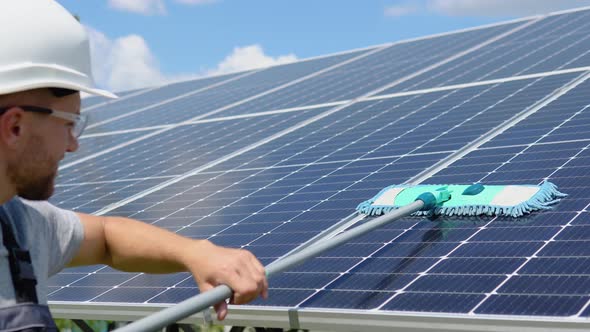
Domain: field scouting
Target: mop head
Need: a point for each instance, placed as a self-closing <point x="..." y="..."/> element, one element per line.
<point x="467" y="200"/>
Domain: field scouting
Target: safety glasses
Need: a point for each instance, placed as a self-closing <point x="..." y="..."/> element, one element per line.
<point x="79" y="120"/>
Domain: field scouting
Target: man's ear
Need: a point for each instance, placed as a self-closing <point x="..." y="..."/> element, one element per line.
<point x="11" y="126"/>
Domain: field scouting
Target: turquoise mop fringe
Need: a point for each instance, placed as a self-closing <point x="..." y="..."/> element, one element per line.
<point x="547" y="196"/>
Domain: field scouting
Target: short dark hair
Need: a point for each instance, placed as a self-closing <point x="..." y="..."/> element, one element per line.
<point x="61" y="92"/>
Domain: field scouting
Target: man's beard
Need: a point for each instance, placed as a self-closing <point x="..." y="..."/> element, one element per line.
<point x="39" y="189"/>
<point x="35" y="173"/>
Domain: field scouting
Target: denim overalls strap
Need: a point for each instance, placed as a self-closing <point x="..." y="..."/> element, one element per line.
<point x="27" y="315"/>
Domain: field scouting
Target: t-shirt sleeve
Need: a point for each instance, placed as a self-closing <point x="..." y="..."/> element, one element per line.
<point x="64" y="232"/>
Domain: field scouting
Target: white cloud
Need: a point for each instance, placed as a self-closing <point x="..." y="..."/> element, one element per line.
<point x="249" y="57"/>
<point x="128" y="63"/>
<point x="100" y="49"/>
<point x="124" y="63"/>
<point x="501" y="7"/>
<point x="401" y="10"/>
<point x="145" y="7"/>
<point x="487" y="8"/>
<point x="132" y="64"/>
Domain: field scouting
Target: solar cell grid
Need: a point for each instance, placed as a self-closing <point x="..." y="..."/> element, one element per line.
<point x="509" y="250"/>
<point x="89" y="145"/>
<point x="554" y="43"/>
<point x="219" y="214"/>
<point x="118" y="165"/>
<point x="205" y="101"/>
<point x="150" y="96"/>
<point x="388" y="127"/>
<point x="231" y="210"/>
<point x="91" y="197"/>
<point x="125" y="171"/>
<point x="181" y="149"/>
<point x="493" y="253"/>
<point x="372" y="72"/>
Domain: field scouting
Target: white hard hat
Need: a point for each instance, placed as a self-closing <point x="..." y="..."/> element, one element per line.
<point x="43" y="46"/>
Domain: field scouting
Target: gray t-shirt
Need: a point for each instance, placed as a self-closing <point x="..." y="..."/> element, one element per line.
<point x="52" y="235"/>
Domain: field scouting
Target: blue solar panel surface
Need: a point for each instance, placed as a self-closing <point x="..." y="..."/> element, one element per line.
<point x="367" y="74"/>
<point x="92" y="196"/>
<point x="406" y="123"/>
<point x="288" y="189"/>
<point x="150" y="97"/>
<point x="292" y="204"/>
<point x="540" y="280"/>
<point x="158" y="156"/>
<point x="554" y="43"/>
<point x="93" y="100"/>
<point x="209" y="100"/>
<point x="186" y="147"/>
<point x="89" y="101"/>
<point x="89" y="145"/>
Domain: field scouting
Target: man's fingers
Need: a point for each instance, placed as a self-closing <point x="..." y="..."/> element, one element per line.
<point x="264" y="292"/>
<point x="260" y="271"/>
<point x="221" y="307"/>
<point x="221" y="310"/>
<point x="262" y="282"/>
<point x="259" y="267"/>
<point x="246" y="291"/>
<point x="253" y="280"/>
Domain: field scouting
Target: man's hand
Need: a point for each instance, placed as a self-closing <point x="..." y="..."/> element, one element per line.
<point x="239" y="269"/>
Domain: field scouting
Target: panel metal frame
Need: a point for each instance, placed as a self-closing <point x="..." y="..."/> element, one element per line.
<point x="329" y="320"/>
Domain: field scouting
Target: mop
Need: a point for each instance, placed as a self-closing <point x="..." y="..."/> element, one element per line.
<point x="467" y="200"/>
<point x="390" y="204"/>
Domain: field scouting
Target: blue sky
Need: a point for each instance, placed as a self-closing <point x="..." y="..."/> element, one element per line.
<point x="137" y="43"/>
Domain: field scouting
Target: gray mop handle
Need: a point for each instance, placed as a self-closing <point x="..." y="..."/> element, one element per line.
<point x="205" y="300"/>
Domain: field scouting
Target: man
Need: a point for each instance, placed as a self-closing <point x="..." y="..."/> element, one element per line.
<point x="44" y="64"/>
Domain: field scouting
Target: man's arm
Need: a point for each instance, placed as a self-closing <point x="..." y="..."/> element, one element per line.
<point x="134" y="246"/>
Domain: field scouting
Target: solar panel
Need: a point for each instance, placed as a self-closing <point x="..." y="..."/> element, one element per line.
<point x="366" y="74"/>
<point x="93" y="100"/>
<point x="554" y="43"/>
<point x="90" y="144"/>
<point x="169" y="152"/>
<point x="139" y="99"/>
<point x="168" y="107"/>
<point x="92" y="196"/>
<point x="526" y="289"/>
<point x="284" y="163"/>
